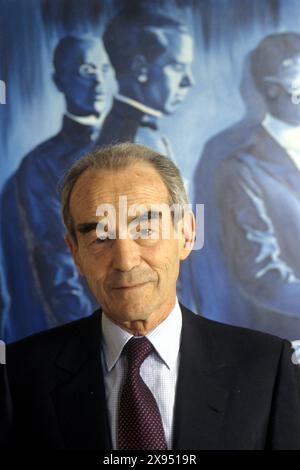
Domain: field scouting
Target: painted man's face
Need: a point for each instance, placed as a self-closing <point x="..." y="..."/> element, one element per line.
<point x="170" y="76"/>
<point x="284" y="86"/>
<point x="86" y="79"/>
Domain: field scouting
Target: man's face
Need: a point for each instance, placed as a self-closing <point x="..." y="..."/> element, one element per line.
<point x="132" y="279"/>
<point x="85" y="79"/>
<point x="170" y="75"/>
<point x="284" y="89"/>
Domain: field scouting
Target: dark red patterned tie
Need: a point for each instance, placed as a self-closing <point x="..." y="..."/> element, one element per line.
<point x="140" y="423"/>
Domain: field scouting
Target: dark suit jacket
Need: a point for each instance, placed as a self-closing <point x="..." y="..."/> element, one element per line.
<point x="236" y="389"/>
<point x="126" y="123"/>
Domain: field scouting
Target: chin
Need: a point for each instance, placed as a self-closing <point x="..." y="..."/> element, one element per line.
<point x="100" y="109"/>
<point x="171" y="109"/>
<point x="134" y="319"/>
<point x="132" y="308"/>
<point x="133" y="311"/>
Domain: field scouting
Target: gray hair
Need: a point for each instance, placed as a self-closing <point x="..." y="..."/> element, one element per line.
<point x="121" y="156"/>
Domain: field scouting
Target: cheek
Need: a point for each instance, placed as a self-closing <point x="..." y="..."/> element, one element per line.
<point x="95" y="273"/>
<point x="164" y="260"/>
<point x="81" y="91"/>
<point x="93" y="262"/>
<point x="160" y="85"/>
<point x="172" y="81"/>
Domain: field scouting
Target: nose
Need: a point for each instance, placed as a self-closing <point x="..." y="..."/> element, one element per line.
<point x="125" y="254"/>
<point x="188" y="80"/>
<point x="98" y="77"/>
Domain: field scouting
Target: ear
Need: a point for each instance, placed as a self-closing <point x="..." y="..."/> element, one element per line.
<point x="273" y="91"/>
<point x="140" y="68"/>
<point x="73" y="247"/>
<point x="58" y="82"/>
<point x="187" y="225"/>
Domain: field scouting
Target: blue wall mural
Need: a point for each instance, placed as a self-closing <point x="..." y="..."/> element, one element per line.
<point x="214" y="85"/>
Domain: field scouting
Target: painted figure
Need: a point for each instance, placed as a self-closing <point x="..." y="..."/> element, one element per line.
<point x="42" y="280"/>
<point x="252" y="205"/>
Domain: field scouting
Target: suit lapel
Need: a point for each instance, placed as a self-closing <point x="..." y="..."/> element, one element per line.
<point x="277" y="162"/>
<point x="79" y="393"/>
<point x="201" y="399"/>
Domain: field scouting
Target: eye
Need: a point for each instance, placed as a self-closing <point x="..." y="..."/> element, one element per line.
<point x="86" y="70"/>
<point x="178" y="67"/>
<point x="99" y="241"/>
<point x="146" y="231"/>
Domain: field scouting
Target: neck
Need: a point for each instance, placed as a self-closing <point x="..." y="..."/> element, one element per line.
<point x="142" y="327"/>
<point x="280" y="119"/>
<point x="285" y="113"/>
<point x="90" y="120"/>
<point x="131" y="89"/>
<point x="76" y="111"/>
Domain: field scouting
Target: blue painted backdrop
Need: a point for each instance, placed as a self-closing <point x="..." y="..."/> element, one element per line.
<point x="224" y="32"/>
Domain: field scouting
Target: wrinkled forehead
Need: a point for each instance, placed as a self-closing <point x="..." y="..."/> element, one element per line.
<point x="96" y="53"/>
<point x="140" y="185"/>
<point x="90" y="51"/>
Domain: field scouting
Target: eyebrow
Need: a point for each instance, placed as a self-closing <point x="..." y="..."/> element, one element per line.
<point x="147" y="216"/>
<point x="87" y="227"/>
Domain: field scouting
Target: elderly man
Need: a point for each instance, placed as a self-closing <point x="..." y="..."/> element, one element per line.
<point x="152" y="56"/>
<point x="144" y="372"/>
<point x="44" y="287"/>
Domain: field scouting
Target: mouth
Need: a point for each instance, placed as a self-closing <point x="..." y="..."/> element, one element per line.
<point x="135" y="286"/>
<point x="178" y="100"/>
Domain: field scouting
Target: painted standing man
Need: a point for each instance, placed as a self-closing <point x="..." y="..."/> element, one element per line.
<point x="152" y="55"/>
<point x="42" y="280"/>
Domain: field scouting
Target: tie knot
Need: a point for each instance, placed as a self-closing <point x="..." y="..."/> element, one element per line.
<point x="136" y="351"/>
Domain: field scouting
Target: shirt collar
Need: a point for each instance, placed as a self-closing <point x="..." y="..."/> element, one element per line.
<point x="165" y="338"/>
<point x="90" y="120"/>
<point x="285" y="134"/>
<point x="137" y="105"/>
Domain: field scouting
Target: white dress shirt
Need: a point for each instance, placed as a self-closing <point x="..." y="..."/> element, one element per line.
<point x="286" y="135"/>
<point x="159" y="370"/>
